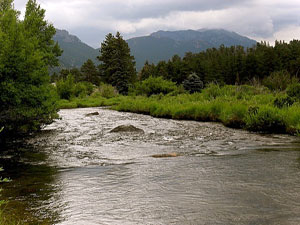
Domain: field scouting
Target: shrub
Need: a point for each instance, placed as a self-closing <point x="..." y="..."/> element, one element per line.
<point x="66" y="87"/>
<point x="155" y="85"/>
<point x="283" y="101"/>
<point x="279" y="80"/>
<point x="193" y="83"/>
<point x="107" y="91"/>
<point x="83" y="89"/>
<point x="293" y="90"/>
<point x="215" y="90"/>
<point x="265" y="119"/>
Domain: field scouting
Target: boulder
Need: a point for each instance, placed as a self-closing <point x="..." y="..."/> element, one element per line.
<point x="92" y="114"/>
<point x="126" y="128"/>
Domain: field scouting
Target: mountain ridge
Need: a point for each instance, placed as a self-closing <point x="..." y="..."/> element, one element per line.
<point x="159" y="45"/>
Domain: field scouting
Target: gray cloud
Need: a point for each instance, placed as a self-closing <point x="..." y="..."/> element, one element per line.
<point x="91" y="20"/>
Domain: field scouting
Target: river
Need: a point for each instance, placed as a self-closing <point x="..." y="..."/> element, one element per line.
<point x="75" y="171"/>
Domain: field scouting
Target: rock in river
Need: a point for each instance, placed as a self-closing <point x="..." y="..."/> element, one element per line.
<point x="126" y="128"/>
<point x="92" y="114"/>
<point x="167" y="155"/>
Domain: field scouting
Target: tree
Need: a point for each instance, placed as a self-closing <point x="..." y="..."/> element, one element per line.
<point x="27" y="99"/>
<point x="90" y="73"/>
<point x="193" y="83"/>
<point x="118" y="66"/>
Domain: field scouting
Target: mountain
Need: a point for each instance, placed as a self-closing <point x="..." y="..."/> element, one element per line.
<point x="75" y="51"/>
<point x="162" y="45"/>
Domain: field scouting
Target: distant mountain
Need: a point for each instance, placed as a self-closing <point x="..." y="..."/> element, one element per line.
<point x="75" y="51"/>
<point x="162" y="45"/>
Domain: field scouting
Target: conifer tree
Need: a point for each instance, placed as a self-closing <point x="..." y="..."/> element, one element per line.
<point x="118" y="66"/>
<point x="90" y="73"/>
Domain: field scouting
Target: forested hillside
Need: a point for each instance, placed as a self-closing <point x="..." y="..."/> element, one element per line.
<point x="162" y="45"/>
<point x="230" y="65"/>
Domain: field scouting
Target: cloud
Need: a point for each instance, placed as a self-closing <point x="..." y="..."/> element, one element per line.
<point x="91" y="20"/>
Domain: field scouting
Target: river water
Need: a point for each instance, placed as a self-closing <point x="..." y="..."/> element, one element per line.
<point x="77" y="172"/>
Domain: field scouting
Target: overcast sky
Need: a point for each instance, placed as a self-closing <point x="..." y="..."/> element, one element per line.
<point x="91" y="20"/>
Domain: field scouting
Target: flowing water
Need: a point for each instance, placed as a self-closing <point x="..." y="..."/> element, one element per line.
<point x="77" y="172"/>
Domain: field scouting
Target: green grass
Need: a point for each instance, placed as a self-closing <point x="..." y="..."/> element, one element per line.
<point x="246" y="107"/>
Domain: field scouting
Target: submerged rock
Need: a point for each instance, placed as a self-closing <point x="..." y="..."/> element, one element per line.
<point x="92" y="114"/>
<point x="167" y="155"/>
<point x="126" y="128"/>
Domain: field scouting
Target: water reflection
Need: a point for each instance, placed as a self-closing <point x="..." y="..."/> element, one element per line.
<point x="33" y="193"/>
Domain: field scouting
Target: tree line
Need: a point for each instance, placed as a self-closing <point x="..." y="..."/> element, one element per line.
<point x="224" y="65"/>
<point x="229" y="65"/>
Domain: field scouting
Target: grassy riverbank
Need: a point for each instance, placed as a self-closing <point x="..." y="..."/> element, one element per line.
<point x="247" y="107"/>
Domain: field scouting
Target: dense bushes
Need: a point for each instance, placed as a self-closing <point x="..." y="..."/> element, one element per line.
<point x="107" y="91"/>
<point x="247" y="107"/>
<point x="279" y="80"/>
<point x="153" y="86"/>
<point x="67" y="88"/>
<point x="294" y="90"/>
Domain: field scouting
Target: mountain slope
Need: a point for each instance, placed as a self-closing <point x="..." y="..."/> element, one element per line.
<point x="162" y="45"/>
<point x="75" y="51"/>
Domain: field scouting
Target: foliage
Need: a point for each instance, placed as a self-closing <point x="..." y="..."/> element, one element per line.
<point x="154" y="86"/>
<point x="278" y="80"/>
<point x="266" y="119"/>
<point x="293" y="90"/>
<point x="118" y="66"/>
<point x="193" y="83"/>
<point x="67" y="88"/>
<point x="233" y="65"/>
<point x="253" y="111"/>
<point x="83" y="89"/>
<point x="284" y="101"/>
<point x="27" y="100"/>
<point x="107" y="91"/>
<point x="90" y="73"/>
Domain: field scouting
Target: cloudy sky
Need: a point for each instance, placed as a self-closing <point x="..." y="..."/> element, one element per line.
<point x="91" y="20"/>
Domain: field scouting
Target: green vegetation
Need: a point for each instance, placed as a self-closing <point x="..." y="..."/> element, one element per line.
<point x="233" y="65"/>
<point x="118" y="66"/>
<point x="244" y="107"/>
<point x="254" y="108"/>
<point x="154" y="86"/>
<point x="27" y="100"/>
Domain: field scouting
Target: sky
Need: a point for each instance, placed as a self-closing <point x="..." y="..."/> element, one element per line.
<point x="91" y="20"/>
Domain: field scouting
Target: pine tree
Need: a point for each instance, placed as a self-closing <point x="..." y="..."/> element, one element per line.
<point x="90" y="73"/>
<point x="118" y="66"/>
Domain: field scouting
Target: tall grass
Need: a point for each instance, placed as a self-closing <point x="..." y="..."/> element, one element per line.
<point x="235" y="106"/>
<point x="247" y="107"/>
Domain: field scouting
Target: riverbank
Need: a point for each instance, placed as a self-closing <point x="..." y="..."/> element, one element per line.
<point x="245" y="107"/>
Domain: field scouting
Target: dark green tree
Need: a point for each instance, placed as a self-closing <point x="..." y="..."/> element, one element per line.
<point x="27" y="100"/>
<point x="147" y="71"/>
<point x="90" y="73"/>
<point x="118" y="66"/>
<point x="193" y="83"/>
